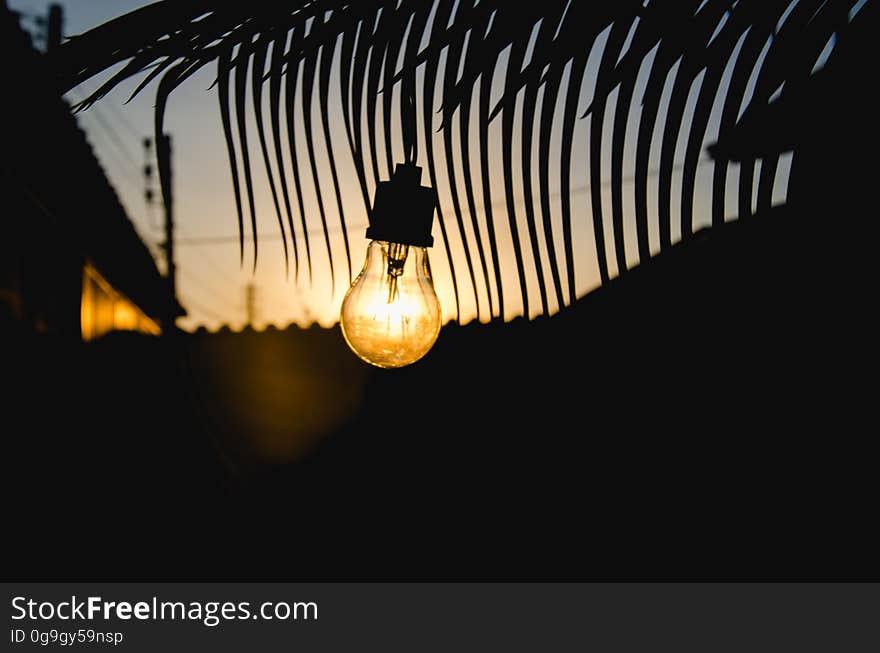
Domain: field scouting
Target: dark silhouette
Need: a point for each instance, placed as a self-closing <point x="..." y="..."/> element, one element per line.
<point x="724" y="438"/>
<point x="59" y="209"/>
<point x="706" y="414"/>
<point x="741" y="53"/>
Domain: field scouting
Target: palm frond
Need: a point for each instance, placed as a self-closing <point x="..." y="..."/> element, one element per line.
<point x="663" y="79"/>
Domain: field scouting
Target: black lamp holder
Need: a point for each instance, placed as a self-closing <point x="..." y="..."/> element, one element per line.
<point x="403" y="210"/>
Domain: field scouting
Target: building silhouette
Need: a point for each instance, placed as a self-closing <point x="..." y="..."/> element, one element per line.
<point x="71" y="262"/>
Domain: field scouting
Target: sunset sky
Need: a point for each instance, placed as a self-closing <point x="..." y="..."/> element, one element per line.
<point x="211" y="280"/>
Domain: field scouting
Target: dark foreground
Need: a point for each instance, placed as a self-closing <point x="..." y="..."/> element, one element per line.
<point x="711" y="415"/>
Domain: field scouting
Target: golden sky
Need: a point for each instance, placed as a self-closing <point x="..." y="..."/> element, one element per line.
<point x="211" y="280"/>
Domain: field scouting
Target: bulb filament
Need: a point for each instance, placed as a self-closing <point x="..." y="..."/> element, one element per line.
<point x="396" y="260"/>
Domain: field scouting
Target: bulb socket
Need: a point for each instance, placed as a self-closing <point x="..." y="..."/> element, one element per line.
<point x="403" y="209"/>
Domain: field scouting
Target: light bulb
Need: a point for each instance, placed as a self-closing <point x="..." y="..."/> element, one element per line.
<point x="391" y="315"/>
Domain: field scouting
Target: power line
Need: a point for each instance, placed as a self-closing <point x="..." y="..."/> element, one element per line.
<point x="109" y="130"/>
<point x="218" y="240"/>
<point x="123" y="166"/>
<point x="207" y="288"/>
<point x="109" y="156"/>
<point x="215" y="266"/>
<point x="123" y="120"/>
<point x="112" y="134"/>
<point x="201" y="309"/>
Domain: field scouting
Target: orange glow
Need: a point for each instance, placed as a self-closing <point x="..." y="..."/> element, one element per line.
<point x="104" y="309"/>
<point x="391" y="319"/>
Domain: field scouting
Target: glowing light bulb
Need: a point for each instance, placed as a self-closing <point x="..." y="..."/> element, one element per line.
<point x="391" y="315"/>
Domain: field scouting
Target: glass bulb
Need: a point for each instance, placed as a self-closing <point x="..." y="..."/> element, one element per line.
<point x="391" y="315"/>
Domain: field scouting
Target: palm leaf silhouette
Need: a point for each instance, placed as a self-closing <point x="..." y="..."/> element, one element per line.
<point x="662" y="78"/>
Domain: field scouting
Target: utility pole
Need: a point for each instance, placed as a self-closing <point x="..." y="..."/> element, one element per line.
<point x="53" y="35"/>
<point x="54" y="25"/>
<point x="163" y="157"/>
<point x="149" y="191"/>
<point x="250" y="302"/>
